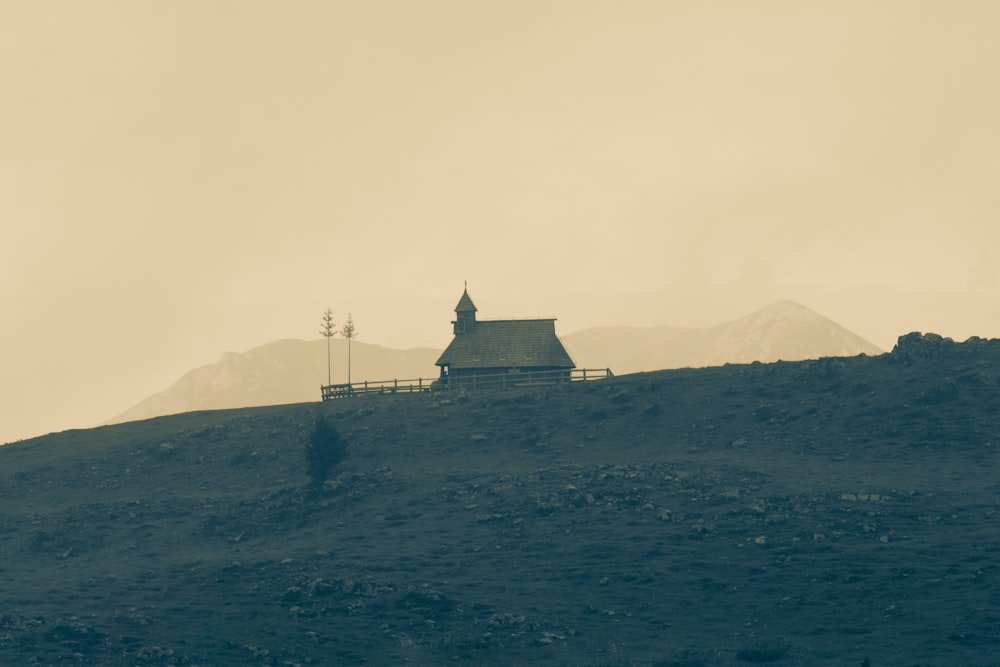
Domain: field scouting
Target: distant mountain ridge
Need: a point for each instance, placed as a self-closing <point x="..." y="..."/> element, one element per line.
<point x="290" y="371"/>
<point x="785" y="331"/>
<point x="285" y="371"/>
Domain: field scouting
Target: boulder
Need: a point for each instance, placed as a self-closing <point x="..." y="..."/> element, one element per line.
<point x="917" y="347"/>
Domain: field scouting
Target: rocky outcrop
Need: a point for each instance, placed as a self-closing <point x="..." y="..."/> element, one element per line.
<point x="916" y="347"/>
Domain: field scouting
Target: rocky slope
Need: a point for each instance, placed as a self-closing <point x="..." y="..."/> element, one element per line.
<point x="810" y="513"/>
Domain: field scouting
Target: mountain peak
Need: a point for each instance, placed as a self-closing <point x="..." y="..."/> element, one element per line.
<point x="784" y="305"/>
<point x="784" y="330"/>
<point x="787" y="331"/>
<point x="785" y="308"/>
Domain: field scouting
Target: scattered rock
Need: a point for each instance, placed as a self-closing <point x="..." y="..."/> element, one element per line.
<point x="621" y="396"/>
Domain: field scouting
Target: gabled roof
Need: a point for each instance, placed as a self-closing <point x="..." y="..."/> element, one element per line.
<point x="506" y="344"/>
<point x="465" y="303"/>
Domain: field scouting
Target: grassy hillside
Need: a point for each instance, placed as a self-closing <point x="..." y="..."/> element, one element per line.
<point x="809" y="513"/>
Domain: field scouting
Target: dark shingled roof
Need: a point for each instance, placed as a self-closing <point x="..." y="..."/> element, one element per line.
<point x="465" y="303"/>
<point x="507" y="343"/>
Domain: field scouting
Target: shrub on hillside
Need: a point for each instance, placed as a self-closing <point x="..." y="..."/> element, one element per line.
<point x="324" y="451"/>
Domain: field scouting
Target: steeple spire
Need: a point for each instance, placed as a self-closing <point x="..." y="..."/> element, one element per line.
<point x="465" y="312"/>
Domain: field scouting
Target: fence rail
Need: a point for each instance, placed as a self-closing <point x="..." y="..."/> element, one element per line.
<point x="487" y="381"/>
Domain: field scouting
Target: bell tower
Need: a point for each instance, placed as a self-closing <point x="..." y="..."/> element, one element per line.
<point x="465" y="314"/>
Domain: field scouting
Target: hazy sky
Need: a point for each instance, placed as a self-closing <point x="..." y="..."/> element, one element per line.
<point x="179" y="179"/>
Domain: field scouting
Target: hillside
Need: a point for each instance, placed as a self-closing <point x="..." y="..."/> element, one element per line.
<point x="783" y="331"/>
<point x="809" y="513"/>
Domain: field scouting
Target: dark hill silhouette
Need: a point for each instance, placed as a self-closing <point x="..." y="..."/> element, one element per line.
<point x="784" y="331"/>
<point x="806" y="513"/>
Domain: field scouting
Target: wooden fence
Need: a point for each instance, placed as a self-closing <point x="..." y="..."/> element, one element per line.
<point x="490" y="381"/>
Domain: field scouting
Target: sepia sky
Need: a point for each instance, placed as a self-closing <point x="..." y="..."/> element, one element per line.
<point x="179" y="179"/>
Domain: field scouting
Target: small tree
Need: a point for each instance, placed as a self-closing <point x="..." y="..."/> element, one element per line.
<point x="324" y="451"/>
<point x="327" y="329"/>
<point x="349" y="331"/>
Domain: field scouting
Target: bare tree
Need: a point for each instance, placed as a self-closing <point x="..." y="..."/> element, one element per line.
<point x="349" y="331"/>
<point x="328" y="329"/>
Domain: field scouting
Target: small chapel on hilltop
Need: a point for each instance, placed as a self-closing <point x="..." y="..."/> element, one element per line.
<point x="501" y="348"/>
